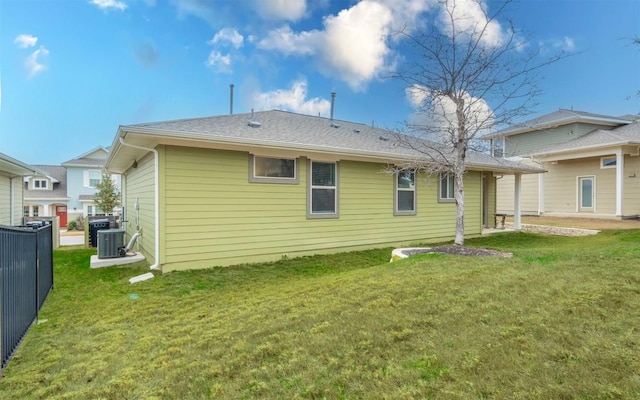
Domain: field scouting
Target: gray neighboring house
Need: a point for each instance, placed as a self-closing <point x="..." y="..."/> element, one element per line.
<point x="45" y="193"/>
<point x="12" y="173"/>
<point x="592" y="162"/>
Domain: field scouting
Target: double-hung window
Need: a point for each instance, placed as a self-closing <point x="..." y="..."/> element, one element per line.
<point x="447" y="188"/>
<point x="405" y="193"/>
<point x="323" y="190"/>
<point x="92" y="178"/>
<point x="272" y="170"/>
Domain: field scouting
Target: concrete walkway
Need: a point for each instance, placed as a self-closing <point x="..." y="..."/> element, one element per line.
<point x="71" y="238"/>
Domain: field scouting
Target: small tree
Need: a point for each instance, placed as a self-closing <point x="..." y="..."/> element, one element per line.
<point x="466" y="73"/>
<point x="108" y="196"/>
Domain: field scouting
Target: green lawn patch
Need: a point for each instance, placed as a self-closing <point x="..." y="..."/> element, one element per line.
<point x="560" y="319"/>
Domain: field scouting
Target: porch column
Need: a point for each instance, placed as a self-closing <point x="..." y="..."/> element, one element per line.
<point x="540" y="194"/>
<point x="516" y="203"/>
<point x="619" y="181"/>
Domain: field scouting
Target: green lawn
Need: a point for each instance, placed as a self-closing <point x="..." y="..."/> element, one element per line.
<point x="558" y="320"/>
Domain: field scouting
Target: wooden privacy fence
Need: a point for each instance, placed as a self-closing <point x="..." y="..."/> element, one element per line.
<point x="26" y="278"/>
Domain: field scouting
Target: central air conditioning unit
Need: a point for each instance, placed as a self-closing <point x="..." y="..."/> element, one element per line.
<point x="110" y="243"/>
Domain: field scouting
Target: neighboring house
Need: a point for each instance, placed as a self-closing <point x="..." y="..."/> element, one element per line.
<point x="592" y="161"/>
<point x="250" y="188"/>
<point x="12" y="173"/>
<point x="83" y="174"/>
<point x="45" y="193"/>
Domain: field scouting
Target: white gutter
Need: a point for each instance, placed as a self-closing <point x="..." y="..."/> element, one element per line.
<point x="156" y="195"/>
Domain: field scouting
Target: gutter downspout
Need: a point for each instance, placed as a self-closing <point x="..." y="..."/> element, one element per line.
<point x="12" y="202"/>
<point x="156" y="194"/>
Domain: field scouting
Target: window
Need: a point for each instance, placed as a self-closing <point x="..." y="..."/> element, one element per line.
<point x="25" y="211"/>
<point x="39" y="183"/>
<point x="608" y="162"/>
<point x="93" y="178"/>
<point x="447" y="187"/>
<point x="36" y="211"/>
<point x="405" y="193"/>
<point x="272" y="170"/>
<point x="323" y="190"/>
<point x="497" y="148"/>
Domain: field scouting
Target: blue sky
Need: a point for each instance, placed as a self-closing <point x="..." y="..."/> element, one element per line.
<point x="72" y="71"/>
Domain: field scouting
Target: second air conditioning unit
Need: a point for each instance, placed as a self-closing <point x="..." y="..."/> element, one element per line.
<point x="110" y="243"/>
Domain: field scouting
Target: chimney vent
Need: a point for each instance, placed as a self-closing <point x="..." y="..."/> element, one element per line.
<point x="231" y="98"/>
<point x="333" y="98"/>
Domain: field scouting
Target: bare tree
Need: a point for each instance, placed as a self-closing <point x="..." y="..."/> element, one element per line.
<point x="466" y="73"/>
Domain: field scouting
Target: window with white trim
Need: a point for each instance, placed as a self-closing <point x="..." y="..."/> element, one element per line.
<point x="497" y="147"/>
<point x="40" y="184"/>
<point x="608" y="162"/>
<point x="92" y="178"/>
<point x="447" y="187"/>
<point x="25" y="210"/>
<point x="323" y="190"/>
<point x="405" y="185"/>
<point x="273" y="170"/>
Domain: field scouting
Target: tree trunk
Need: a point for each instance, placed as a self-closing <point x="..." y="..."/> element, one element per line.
<point x="459" y="197"/>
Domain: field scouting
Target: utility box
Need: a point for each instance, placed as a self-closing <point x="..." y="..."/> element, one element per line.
<point x="110" y="243"/>
<point x="94" y="227"/>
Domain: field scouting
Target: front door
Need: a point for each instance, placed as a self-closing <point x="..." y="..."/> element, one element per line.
<point x="61" y="212"/>
<point x="586" y="189"/>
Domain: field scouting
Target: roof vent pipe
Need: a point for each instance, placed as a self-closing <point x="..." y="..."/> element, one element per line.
<point x="333" y="98"/>
<point x="231" y="98"/>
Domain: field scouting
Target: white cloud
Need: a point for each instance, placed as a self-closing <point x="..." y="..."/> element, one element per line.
<point x="34" y="63"/>
<point x="203" y="9"/>
<point x="292" y="99"/>
<point x="437" y="113"/>
<point x="24" y="41"/>
<point x="564" y="44"/>
<point x="228" y="35"/>
<point x="288" y="42"/>
<point x="219" y="62"/>
<point x="107" y="4"/>
<point x="353" y="44"/>
<point x="470" y="18"/>
<point x="288" y="10"/>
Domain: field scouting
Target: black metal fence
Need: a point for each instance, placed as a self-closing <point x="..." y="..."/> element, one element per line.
<point x="26" y="277"/>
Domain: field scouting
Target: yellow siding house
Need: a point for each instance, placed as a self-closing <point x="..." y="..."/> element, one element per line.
<point x="257" y="187"/>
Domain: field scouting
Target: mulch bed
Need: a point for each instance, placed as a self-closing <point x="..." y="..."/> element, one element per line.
<point x="459" y="251"/>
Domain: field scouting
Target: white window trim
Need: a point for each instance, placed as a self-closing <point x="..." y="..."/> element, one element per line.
<point x="594" y="196"/>
<point x="446" y="199"/>
<point x="310" y="214"/>
<point x="253" y="178"/>
<point x="602" y="166"/>
<point x="46" y="184"/>
<point x="87" y="177"/>
<point x="396" y="197"/>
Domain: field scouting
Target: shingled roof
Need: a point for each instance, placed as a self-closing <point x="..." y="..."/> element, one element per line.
<point x="283" y="131"/>
<point x="559" y="118"/>
<point x="59" y="174"/>
<point x="599" y="138"/>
